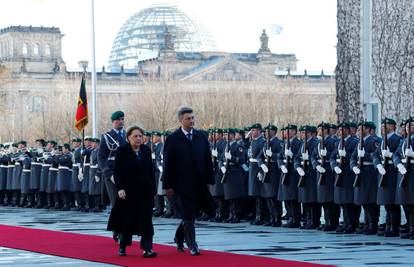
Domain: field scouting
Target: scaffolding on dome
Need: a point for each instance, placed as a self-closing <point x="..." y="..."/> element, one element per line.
<point x="143" y="34"/>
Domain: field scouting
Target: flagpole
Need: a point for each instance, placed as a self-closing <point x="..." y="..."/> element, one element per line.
<point x="94" y="115"/>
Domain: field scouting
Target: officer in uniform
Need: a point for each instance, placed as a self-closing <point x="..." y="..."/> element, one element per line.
<point x="307" y="190"/>
<point x="271" y="179"/>
<point x="217" y="190"/>
<point x="344" y="178"/>
<point x="382" y="159"/>
<point x="45" y="200"/>
<point x="17" y="174"/>
<point x="86" y="164"/>
<point x="26" y="198"/>
<point x="10" y="174"/>
<point x="403" y="159"/>
<point x="365" y="193"/>
<point x="254" y="185"/>
<point x="3" y="174"/>
<point x="36" y="169"/>
<point x="77" y="177"/>
<point x="64" y="178"/>
<point x="325" y="176"/>
<point x="95" y="175"/>
<point x="233" y="177"/>
<point x="51" y="188"/>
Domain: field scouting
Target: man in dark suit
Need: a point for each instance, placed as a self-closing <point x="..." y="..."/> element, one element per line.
<point x="110" y="142"/>
<point x="188" y="171"/>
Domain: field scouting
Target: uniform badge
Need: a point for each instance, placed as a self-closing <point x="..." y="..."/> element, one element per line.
<point x="240" y="149"/>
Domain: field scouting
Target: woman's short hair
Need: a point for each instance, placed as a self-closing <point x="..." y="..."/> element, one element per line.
<point x="133" y="128"/>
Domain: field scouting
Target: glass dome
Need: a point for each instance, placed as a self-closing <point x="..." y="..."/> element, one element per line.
<point x="143" y="34"/>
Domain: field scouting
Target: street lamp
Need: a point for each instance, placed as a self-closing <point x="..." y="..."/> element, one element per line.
<point x="83" y="64"/>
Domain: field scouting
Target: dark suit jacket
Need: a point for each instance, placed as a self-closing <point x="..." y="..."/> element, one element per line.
<point x="136" y="177"/>
<point x="188" y="169"/>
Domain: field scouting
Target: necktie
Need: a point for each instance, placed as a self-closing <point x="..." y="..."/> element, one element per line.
<point x="189" y="136"/>
<point x="121" y="136"/>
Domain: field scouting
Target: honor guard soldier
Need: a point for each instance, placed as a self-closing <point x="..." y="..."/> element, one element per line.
<point x="147" y="139"/>
<point x="307" y="178"/>
<point x="86" y="165"/>
<point x="46" y="200"/>
<point x="51" y="188"/>
<point x="403" y="159"/>
<point x="77" y="177"/>
<point x="388" y="177"/>
<point x="10" y="173"/>
<point x="64" y="178"/>
<point x="157" y="162"/>
<point x="233" y="175"/>
<point x="325" y="176"/>
<point x="344" y="178"/>
<point x="271" y="179"/>
<point x="217" y="189"/>
<point x="17" y="161"/>
<point x="254" y="185"/>
<point x="95" y="175"/>
<point x="288" y="187"/>
<point x="3" y="174"/>
<point x="366" y="180"/>
<point x="36" y="169"/>
<point x="26" y="198"/>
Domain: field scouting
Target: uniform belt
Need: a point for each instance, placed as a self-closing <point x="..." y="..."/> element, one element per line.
<point x="94" y="166"/>
<point x="64" y="168"/>
<point x="111" y="158"/>
<point x="367" y="163"/>
<point x="320" y="161"/>
<point x="405" y="161"/>
<point x="86" y="164"/>
<point x="388" y="162"/>
<point x="77" y="165"/>
<point x="17" y="163"/>
<point x="46" y="165"/>
<point x="232" y="164"/>
<point x="253" y="160"/>
<point x="26" y="170"/>
<point x="53" y="169"/>
<point x="10" y="166"/>
<point x="3" y="166"/>
<point x="36" y="163"/>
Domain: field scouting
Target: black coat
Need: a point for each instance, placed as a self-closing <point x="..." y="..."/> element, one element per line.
<point x="188" y="169"/>
<point x="133" y="215"/>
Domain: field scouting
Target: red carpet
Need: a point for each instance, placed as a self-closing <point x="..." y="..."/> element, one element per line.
<point x="104" y="249"/>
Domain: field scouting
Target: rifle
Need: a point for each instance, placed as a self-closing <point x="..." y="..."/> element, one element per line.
<point x="384" y="147"/>
<point x="301" y="182"/>
<point x="339" y="177"/>
<point x="321" y="180"/>
<point x="214" y="148"/>
<point x="285" y="175"/>
<point x="226" y="163"/>
<point x="404" y="177"/>
<point x="357" y="181"/>
<point x="267" y="158"/>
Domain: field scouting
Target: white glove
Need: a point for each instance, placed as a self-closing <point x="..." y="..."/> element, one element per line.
<point x="381" y="169"/>
<point x="356" y="170"/>
<point x="288" y="153"/>
<point x="214" y="153"/>
<point x="324" y="152"/>
<point x="409" y="152"/>
<point x="227" y="155"/>
<point x="112" y="179"/>
<point x="386" y="153"/>
<point x="305" y="156"/>
<point x="300" y="171"/>
<point x="342" y="152"/>
<point x="402" y="169"/>
<point x="264" y="168"/>
<point x="80" y="176"/>
<point x="223" y="169"/>
<point x="269" y="152"/>
<point x="320" y="169"/>
<point x="97" y="178"/>
<point x="283" y="169"/>
<point x="337" y="170"/>
<point x="160" y="168"/>
<point x="153" y="155"/>
<point x="361" y="153"/>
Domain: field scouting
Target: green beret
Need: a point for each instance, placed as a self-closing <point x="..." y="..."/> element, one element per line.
<point x="247" y="128"/>
<point x="15" y="144"/>
<point x="117" y="115"/>
<point x="388" y="121"/>
<point x="53" y="142"/>
<point x="332" y="126"/>
<point x="156" y="133"/>
<point x="324" y="125"/>
<point x="87" y="138"/>
<point x="76" y="140"/>
<point x="241" y="131"/>
<point x="95" y="140"/>
<point x="372" y="125"/>
<point x="23" y="142"/>
<point x="344" y="124"/>
<point x="40" y="140"/>
<point x="219" y="130"/>
<point x="292" y="127"/>
<point x="147" y="133"/>
<point x="256" y="126"/>
<point x="313" y="129"/>
<point x="231" y="130"/>
<point x="352" y="124"/>
<point x="66" y="145"/>
<point x="271" y="127"/>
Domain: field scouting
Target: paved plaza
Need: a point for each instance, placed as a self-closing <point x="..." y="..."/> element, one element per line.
<point x="291" y="244"/>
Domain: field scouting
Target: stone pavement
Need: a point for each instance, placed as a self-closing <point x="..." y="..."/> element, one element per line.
<point x="291" y="244"/>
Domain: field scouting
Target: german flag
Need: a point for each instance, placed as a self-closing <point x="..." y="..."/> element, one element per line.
<point x="82" y="111"/>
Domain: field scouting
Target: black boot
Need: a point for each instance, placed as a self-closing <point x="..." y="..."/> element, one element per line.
<point x="258" y="219"/>
<point x="97" y="200"/>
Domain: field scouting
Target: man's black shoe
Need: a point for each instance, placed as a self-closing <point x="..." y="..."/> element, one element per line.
<point x="149" y="254"/>
<point x="122" y="252"/>
<point x="115" y="237"/>
<point x="180" y="245"/>
<point x="195" y="251"/>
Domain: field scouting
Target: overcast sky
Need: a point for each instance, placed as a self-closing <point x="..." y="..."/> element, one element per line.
<point x="309" y="26"/>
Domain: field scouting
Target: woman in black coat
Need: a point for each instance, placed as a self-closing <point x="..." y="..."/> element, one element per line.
<point x="135" y="184"/>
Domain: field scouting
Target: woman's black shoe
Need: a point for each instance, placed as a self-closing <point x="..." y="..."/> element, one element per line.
<point x="180" y="245"/>
<point x="149" y="254"/>
<point x="195" y="251"/>
<point x="122" y="252"/>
